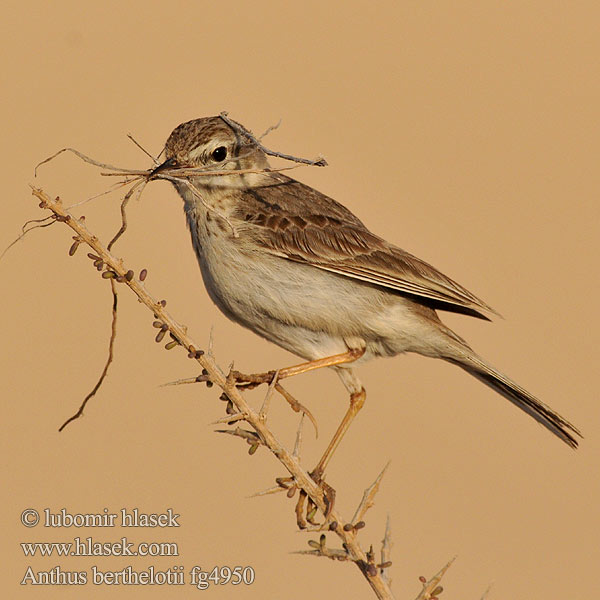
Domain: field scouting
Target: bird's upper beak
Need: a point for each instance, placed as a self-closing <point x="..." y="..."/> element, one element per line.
<point x="170" y="162"/>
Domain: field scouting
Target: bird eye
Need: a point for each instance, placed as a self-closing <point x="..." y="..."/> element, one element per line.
<point x="219" y="154"/>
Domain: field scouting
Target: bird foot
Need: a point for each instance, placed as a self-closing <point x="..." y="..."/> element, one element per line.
<point x="244" y="381"/>
<point x="306" y="509"/>
<point x="248" y="381"/>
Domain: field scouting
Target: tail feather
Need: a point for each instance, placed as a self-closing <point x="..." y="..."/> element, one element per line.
<point x="520" y="397"/>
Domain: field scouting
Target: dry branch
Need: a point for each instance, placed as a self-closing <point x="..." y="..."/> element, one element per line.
<point x="368" y="498"/>
<point x="352" y="550"/>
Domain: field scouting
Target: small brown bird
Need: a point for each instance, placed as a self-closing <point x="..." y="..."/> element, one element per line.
<point x="299" y="269"/>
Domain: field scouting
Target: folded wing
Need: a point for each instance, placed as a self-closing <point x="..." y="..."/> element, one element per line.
<point x="300" y="224"/>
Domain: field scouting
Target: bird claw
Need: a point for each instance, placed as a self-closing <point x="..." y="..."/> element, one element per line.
<point x="248" y="381"/>
<point x="311" y="507"/>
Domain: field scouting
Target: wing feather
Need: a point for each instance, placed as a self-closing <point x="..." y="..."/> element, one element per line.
<point x="299" y="223"/>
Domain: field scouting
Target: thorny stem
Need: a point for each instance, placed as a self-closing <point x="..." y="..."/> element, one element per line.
<point x="179" y="333"/>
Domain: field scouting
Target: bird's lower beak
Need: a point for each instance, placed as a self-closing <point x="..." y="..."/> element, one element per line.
<point x="170" y="162"/>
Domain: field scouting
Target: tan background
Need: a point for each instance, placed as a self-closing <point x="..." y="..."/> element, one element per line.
<point x="465" y="132"/>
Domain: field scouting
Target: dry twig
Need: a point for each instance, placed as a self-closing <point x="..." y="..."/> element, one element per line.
<point x="368" y="498"/>
<point x="432" y="588"/>
<point x="111" y="345"/>
<point x="486" y="593"/>
<point x="38" y="224"/>
<point x="319" y="162"/>
<point x="386" y="550"/>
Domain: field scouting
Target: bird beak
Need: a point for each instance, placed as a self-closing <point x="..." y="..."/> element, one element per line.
<point x="170" y="162"/>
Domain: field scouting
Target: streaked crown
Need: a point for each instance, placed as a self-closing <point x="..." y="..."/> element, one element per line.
<point x="212" y="141"/>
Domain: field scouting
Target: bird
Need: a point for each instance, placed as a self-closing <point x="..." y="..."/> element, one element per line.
<point x="301" y="270"/>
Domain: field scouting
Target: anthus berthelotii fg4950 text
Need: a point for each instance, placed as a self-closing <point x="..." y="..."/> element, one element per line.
<point x="299" y="269"/>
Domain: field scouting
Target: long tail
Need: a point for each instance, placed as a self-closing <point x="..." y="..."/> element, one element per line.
<point x="542" y="413"/>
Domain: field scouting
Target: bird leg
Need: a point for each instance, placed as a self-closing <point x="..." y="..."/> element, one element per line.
<point x="357" y="401"/>
<point x="255" y="379"/>
<point x="248" y="382"/>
